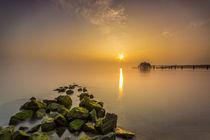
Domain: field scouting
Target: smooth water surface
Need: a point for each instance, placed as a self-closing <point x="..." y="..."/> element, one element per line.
<point x="157" y="105"/>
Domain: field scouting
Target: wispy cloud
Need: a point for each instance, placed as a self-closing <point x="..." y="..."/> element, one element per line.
<point x="199" y="24"/>
<point x="102" y="13"/>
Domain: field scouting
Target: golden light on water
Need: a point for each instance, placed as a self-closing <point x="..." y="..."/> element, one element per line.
<point x="121" y="79"/>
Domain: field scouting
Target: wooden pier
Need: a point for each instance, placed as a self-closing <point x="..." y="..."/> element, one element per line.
<point x="181" y="66"/>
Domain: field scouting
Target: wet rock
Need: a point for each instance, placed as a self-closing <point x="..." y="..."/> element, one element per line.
<point x="53" y="106"/>
<point x="82" y="95"/>
<point x="91" y="96"/>
<point x="76" y="125"/>
<point x="49" y="101"/>
<point x="64" y="100"/>
<point x="33" y="105"/>
<point x="110" y="136"/>
<point x="69" y="92"/>
<point x="6" y="133"/>
<point x="61" y="89"/>
<point x="23" y="128"/>
<point x="124" y="133"/>
<point x="40" y="113"/>
<point x="84" y="138"/>
<point x="101" y="103"/>
<point x="20" y="116"/>
<point x="89" y="104"/>
<point x="35" y="128"/>
<point x="107" y="124"/>
<point x="60" y="131"/>
<point x="39" y="136"/>
<point x="89" y="127"/>
<point x="62" y="110"/>
<point x="78" y="113"/>
<point x="60" y="120"/>
<point x="21" y="135"/>
<point x="101" y="113"/>
<point x="93" y="116"/>
<point x="71" y="86"/>
<point x="32" y="98"/>
<point x="48" y="124"/>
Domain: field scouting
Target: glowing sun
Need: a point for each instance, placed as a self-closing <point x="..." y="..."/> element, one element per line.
<point x="121" y="57"/>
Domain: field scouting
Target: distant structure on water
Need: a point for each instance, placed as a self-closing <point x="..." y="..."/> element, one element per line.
<point x="145" y="66"/>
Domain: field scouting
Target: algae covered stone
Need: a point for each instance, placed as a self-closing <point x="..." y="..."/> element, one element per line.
<point x="48" y="124"/>
<point x="78" y="113"/>
<point x="84" y="138"/>
<point x="20" y="116"/>
<point x="64" y="100"/>
<point x="60" y="120"/>
<point x="6" y="133"/>
<point x="21" y="135"/>
<point x="89" y="127"/>
<point x="93" y="116"/>
<point x="33" y="105"/>
<point x="62" y="110"/>
<point x="54" y="106"/>
<point x="35" y="128"/>
<point x="39" y="136"/>
<point x="109" y="136"/>
<point x="76" y="125"/>
<point x="101" y="113"/>
<point x="124" y="133"/>
<point x="107" y="124"/>
<point x="40" y="113"/>
<point x="89" y="104"/>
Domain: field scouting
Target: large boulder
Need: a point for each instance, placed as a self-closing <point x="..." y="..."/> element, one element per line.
<point x="107" y="124"/>
<point x="20" y="116"/>
<point x="78" y="113"/>
<point x="60" y="120"/>
<point x="89" y="127"/>
<point x="124" y="133"/>
<point x="76" y="125"/>
<point x="6" y="133"/>
<point x="48" y="124"/>
<point x="40" y="113"/>
<point x="90" y="104"/>
<point x="33" y="105"/>
<point x="21" y="135"/>
<point x="64" y="100"/>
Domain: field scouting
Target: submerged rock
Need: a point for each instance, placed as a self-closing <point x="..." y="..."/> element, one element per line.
<point x="124" y="133"/>
<point x="76" y="125"/>
<point x="78" y="113"/>
<point x="20" y="116"/>
<point x="40" y="113"/>
<point x="64" y="100"/>
<point x="21" y="135"/>
<point x="107" y="124"/>
<point x="35" y="128"/>
<point x="48" y="124"/>
<point x="6" y="133"/>
<point x="60" y="120"/>
<point x="86" y="102"/>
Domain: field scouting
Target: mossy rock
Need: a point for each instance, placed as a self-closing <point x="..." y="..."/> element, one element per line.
<point x="107" y="124"/>
<point x="47" y="102"/>
<point x="89" y="127"/>
<point x="78" y="113"/>
<point x="61" y="89"/>
<point x="126" y="134"/>
<point x="80" y="89"/>
<point x="60" y="131"/>
<point x="39" y="136"/>
<point x="64" y="100"/>
<point x="48" y="124"/>
<point x="35" y="128"/>
<point x="6" y="133"/>
<point x="101" y="113"/>
<point x="54" y="106"/>
<point x="33" y="105"/>
<point x="84" y="89"/>
<point x="40" y="113"/>
<point x="84" y="138"/>
<point x="76" y="125"/>
<point x="21" y="135"/>
<point x="89" y="104"/>
<point x="63" y="110"/>
<point x="109" y="136"/>
<point x="20" y="116"/>
<point x="60" y="120"/>
<point x="93" y="116"/>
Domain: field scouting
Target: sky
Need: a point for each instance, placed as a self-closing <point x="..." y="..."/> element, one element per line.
<point x="98" y="31"/>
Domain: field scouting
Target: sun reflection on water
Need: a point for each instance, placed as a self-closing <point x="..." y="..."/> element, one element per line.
<point x="121" y="84"/>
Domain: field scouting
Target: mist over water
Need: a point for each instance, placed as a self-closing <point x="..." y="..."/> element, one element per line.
<point x="160" y="104"/>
